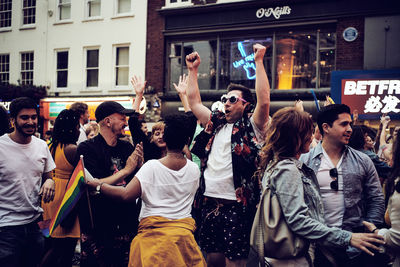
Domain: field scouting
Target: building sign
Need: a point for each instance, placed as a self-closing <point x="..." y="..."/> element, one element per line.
<point x="243" y="66"/>
<point x="275" y="12"/>
<point x="371" y="93"/>
<point x="50" y="108"/>
<point x="350" y="34"/>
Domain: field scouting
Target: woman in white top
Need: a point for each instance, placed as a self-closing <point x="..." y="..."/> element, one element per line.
<point x="167" y="187"/>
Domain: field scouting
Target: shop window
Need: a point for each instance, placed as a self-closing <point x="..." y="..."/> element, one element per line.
<point x="296" y="61"/>
<point x="62" y="69"/>
<point x="122" y="66"/>
<point x="237" y="61"/>
<point x="4" y="69"/>
<point x="92" y="68"/>
<point x="28" y="11"/>
<point x="27" y="68"/>
<point x="5" y="13"/>
<point x="123" y="6"/>
<point x="93" y="8"/>
<point x="64" y="9"/>
<point x="293" y="60"/>
<point x="208" y="66"/>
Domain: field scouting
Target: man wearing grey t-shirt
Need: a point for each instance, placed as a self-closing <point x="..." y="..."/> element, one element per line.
<point x="25" y="175"/>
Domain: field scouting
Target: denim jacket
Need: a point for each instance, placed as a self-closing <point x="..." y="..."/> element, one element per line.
<point x="298" y="193"/>
<point x="363" y="197"/>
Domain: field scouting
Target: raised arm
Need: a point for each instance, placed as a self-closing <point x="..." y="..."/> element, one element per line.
<point x="261" y="112"/>
<point x="385" y="122"/>
<point x="138" y="86"/>
<point x="181" y="89"/>
<point x="201" y="112"/>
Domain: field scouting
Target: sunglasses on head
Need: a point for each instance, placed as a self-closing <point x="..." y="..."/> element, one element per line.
<point x="334" y="174"/>
<point x="232" y="99"/>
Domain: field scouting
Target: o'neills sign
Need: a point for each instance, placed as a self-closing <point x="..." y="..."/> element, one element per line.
<point x="372" y="95"/>
<point x="276" y="12"/>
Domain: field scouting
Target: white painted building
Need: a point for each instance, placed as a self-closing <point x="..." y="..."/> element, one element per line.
<point x="75" y="47"/>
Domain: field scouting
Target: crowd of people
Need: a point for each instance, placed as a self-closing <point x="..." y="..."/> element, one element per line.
<point x="187" y="193"/>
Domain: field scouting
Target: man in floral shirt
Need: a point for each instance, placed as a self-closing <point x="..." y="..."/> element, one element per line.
<point x="233" y="141"/>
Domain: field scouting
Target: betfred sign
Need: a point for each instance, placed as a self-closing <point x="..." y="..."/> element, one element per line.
<point x="372" y="96"/>
<point x="371" y="93"/>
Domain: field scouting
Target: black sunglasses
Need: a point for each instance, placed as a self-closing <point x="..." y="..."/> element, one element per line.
<point x="334" y="174"/>
<point x="233" y="99"/>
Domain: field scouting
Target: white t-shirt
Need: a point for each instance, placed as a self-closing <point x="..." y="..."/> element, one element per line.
<point x="21" y="169"/>
<point x="82" y="134"/>
<point x="165" y="192"/>
<point x="333" y="200"/>
<point x="218" y="175"/>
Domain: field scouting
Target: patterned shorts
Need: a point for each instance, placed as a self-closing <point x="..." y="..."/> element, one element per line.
<point x="222" y="230"/>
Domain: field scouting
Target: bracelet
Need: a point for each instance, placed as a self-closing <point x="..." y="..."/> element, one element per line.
<point x="373" y="231"/>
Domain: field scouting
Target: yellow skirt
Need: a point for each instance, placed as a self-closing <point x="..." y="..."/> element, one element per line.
<point x="164" y="242"/>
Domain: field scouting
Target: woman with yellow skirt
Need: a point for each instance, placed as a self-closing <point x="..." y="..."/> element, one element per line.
<point x="60" y="246"/>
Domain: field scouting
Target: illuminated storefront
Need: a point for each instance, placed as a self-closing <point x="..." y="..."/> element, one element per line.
<point x="306" y="41"/>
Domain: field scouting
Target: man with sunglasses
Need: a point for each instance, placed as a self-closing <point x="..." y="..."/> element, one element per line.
<point x="233" y="141"/>
<point x="349" y="184"/>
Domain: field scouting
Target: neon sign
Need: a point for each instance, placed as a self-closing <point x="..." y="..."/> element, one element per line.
<point x="247" y="62"/>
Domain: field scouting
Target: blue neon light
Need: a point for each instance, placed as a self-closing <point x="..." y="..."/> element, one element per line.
<point x="247" y="62"/>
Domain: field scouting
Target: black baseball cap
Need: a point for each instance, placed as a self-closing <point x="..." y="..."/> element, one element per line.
<point x="107" y="108"/>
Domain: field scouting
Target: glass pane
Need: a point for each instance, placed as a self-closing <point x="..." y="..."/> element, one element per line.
<point x="62" y="60"/>
<point x="237" y="61"/>
<point x="122" y="75"/>
<point x="65" y="12"/>
<point x="92" y="78"/>
<point x="175" y="63"/>
<point x="296" y="61"/>
<point x="327" y="39"/>
<point x="327" y="65"/>
<point x="207" y="69"/>
<point x="94" y="8"/>
<point x="124" y="6"/>
<point x="92" y="58"/>
<point x="122" y="56"/>
<point x="62" y="77"/>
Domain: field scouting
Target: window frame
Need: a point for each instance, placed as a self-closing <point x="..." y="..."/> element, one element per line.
<point x="86" y="68"/>
<point x="57" y="69"/>
<point x="87" y="9"/>
<point x="22" y="80"/>
<point x="6" y="28"/>
<point x="23" y="8"/>
<point x="178" y="3"/>
<point x="115" y="66"/>
<point x="6" y="72"/>
<point x="60" y="5"/>
<point x="124" y="14"/>
<point x="313" y="29"/>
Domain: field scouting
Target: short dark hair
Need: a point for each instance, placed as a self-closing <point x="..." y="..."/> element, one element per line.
<point x="246" y="93"/>
<point x="79" y="107"/>
<point x="331" y="113"/>
<point x="20" y="103"/>
<point x="176" y="134"/>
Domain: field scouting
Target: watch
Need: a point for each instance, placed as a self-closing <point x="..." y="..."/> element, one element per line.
<point x="98" y="188"/>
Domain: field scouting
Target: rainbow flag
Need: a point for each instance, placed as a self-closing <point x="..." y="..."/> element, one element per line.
<point x="75" y="188"/>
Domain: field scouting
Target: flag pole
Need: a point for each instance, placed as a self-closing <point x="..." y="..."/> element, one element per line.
<point x="87" y="196"/>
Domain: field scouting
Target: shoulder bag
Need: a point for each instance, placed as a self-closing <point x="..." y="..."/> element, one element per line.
<point x="270" y="235"/>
